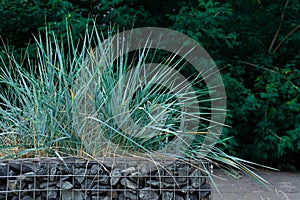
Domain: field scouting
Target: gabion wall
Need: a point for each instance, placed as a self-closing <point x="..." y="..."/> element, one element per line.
<point x="122" y="178"/>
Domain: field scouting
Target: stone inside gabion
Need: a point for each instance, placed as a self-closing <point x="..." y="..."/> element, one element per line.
<point x="78" y="179"/>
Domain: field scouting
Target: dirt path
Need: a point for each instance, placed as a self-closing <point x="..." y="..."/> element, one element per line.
<point x="285" y="186"/>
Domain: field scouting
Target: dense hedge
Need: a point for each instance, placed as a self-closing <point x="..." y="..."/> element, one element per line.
<point x="255" y="43"/>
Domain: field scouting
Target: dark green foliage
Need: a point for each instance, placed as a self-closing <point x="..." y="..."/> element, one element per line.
<point x="255" y="44"/>
<point x="21" y="19"/>
<point x="262" y="78"/>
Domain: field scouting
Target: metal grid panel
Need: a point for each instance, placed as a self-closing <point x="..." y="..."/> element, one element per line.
<point x="122" y="178"/>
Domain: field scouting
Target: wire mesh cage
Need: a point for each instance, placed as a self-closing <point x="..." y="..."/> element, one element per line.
<point x="107" y="178"/>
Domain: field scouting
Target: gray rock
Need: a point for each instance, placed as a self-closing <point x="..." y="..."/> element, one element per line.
<point x="66" y="185"/>
<point x="191" y="196"/>
<point x="3" y="171"/>
<point x="107" y="198"/>
<point x="145" y="169"/>
<point x="177" y="197"/>
<point x="87" y="183"/>
<point x="205" y="191"/>
<point x="26" y="193"/>
<point x="27" y="177"/>
<point x="172" y="167"/>
<point x="52" y="194"/>
<point x="183" y="173"/>
<point x="160" y="184"/>
<point x="82" y="164"/>
<point x="148" y="194"/>
<point x="52" y="173"/>
<point x="27" y="198"/>
<point x="64" y="168"/>
<point x="122" y="197"/>
<point x="197" y="178"/>
<point x="12" y="173"/>
<point x="96" y="197"/>
<point x="168" y="196"/>
<point x="80" y="174"/>
<point x="21" y="168"/>
<point x="72" y="195"/>
<point x="171" y="185"/>
<point x="128" y="183"/>
<point x="87" y="196"/>
<point x="21" y="185"/>
<point x="44" y="195"/>
<point x="168" y="178"/>
<point x="100" y="189"/>
<point x="12" y="184"/>
<point x="46" y="184"/>
<point x="115" y="177"/>
<point x="155" y="183"/>
<point x="30" y="186"/>
<point x="186" y="189"/>
<point x="2" y="187"/>
<point x="41" y="171"/>
<point x="95" y="169"/>
<point x="104" y="180"/>
<point x="136" y="177"/>
<point x="128" y="196"/>
<point x="127" y="171"/>
<point x="113" y="195"/>
<point x="64" y="178"/>
<point x="38" y="197"/>
<point x="159" y="173"/>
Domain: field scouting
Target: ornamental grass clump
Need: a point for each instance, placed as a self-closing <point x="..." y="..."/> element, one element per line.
<point x="80" y="99"/>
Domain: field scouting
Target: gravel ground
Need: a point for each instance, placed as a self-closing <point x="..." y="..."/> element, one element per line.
<point x="285" y="186"/>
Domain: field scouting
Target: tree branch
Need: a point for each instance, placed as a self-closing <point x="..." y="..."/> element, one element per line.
<point x="286" y="37"/>
<point x="279" y="27"/>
